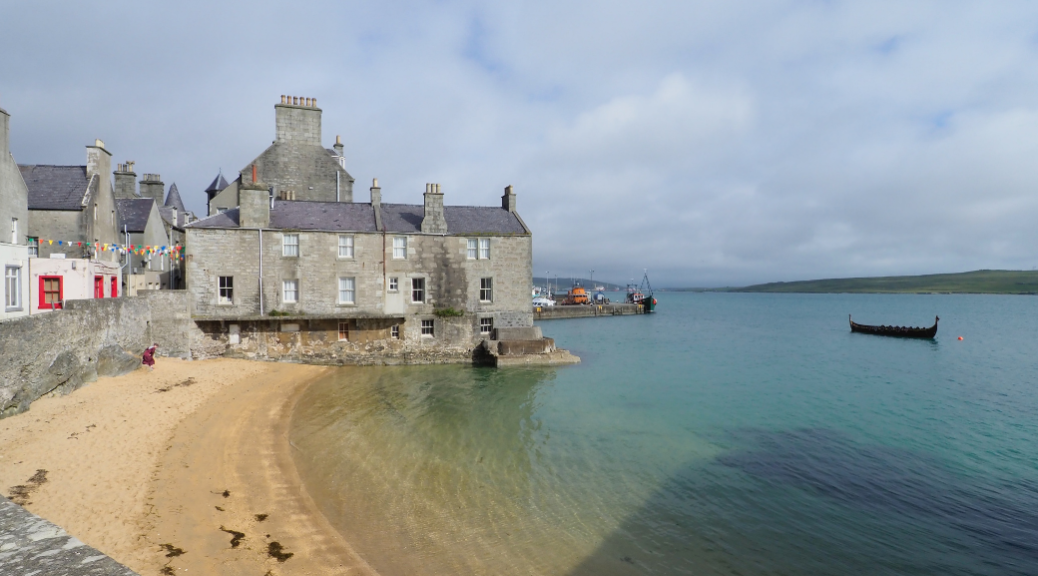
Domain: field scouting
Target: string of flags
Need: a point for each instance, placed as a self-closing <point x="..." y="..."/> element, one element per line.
<point x="174" y="252"/>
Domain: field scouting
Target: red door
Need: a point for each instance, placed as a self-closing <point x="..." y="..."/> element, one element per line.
<point x="50" y="292"/>
<point x="99" y="286"/>
<point x="115" y="288"/>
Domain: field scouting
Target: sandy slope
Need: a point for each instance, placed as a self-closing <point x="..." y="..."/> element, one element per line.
<point x="142" y="460"/>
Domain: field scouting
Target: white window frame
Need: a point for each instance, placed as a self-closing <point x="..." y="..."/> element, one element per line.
<point x="13" y="288"/>
<point x="394" y="284"/>
<point x="34" y="247"/>
<point x="14" y="230"/>
<point x="484" y="248"/>
<point x="290" y="245"/>
<point x="415" y="288"/>
<point x="399" y="247"/>
<point x="347" y="290"/>
<point x="486" y="325"/>
<point x="428" y="328"/>
<point x="290" y="289"/>
<point x="486" y="289"/>
<point x="345" y="246"/>
<point x="472" y="249"/>
<point x="225" y="290"/>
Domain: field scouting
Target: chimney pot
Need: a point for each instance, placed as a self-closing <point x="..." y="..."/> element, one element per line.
<point x="253" y="172"/>
<point x="295" y="100"/>
<point x="374" y="183"/>
<point x="313" y="102"/>
<point x="338" y="139"/>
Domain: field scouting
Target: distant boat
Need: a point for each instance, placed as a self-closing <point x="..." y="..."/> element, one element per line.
<point x="642" y="295"/>
<point x="899" y="331"/>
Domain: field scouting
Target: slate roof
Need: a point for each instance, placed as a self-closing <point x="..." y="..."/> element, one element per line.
<point x="173" y="198"/>
<point x="359" y="217"/>
<point x="218" y="184"/>
<point x="167" y="215"/>
<point x="133" y="213"/>
<point x="57" y="187"/>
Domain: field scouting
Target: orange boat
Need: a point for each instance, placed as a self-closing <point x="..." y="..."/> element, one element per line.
<point x="577" y="295"/>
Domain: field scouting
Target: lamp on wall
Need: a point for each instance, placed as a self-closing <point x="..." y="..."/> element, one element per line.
<point x="73" y="264"/>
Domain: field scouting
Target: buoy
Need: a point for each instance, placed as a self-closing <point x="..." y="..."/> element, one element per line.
<point x="960" y="337"/>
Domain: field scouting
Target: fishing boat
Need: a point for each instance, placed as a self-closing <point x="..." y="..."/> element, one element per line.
<point x="642" y="294"/>
<point x="577" y="295"/>
<point x="899" y="331"/>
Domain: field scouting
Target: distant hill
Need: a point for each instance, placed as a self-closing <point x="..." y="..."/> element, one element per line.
<point x="978" y="282"/>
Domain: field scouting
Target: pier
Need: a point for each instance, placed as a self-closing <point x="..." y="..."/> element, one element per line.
<point x="585" y="311"/>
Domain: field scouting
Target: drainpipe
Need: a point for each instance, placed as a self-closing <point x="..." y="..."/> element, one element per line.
<point x="337" y="186"/>
<point x="260" y="231"/>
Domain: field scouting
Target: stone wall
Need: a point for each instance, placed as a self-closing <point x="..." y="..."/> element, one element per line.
<point x="61" y="351"/>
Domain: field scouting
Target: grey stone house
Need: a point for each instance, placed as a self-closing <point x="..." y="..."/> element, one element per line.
<point x="142" y="226"/>
<point x="73" y="205"/>
<point x="296" y="166"/>
<point x="345" y="282"/>
<point x="14" y="219"/>
<point x="172" y="216"/>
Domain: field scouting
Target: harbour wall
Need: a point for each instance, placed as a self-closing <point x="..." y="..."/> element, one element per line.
<point x="586" y="311"/>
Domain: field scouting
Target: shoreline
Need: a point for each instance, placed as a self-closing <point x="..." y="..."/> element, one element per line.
<point x="137" y="466"/>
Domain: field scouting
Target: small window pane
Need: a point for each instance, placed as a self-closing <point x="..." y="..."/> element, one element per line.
<point x="344" y="331"/>
<point x="484" y="248"/>
<point x="486" y="289"/>
<point x="395" y="332"/>
<point x="290" y="291"/>
<point x="346" y="290"/>
<point x="13" y="282"/>
<point x="486" y="325"/>
<point x="399" y="247"/>
<point x="472" y="253"/>
<point x="427" y="328"/>
<point x="226" y="290"/>
<point x="34" y="247"/>
<point x="417" y="289"/>
<point x="290" y="245"/>
<point x="394" y="284"/>
<point x="345" y="246"/>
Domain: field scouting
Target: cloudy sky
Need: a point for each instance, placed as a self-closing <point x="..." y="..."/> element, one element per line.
<point x="711" y="142"/>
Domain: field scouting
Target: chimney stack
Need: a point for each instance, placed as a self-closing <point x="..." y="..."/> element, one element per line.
<point x="125" y="181"/>
<point x="338" y="148"/>
<point x="5" y="133"/>
<point x="508" y="199"/>
<point x="376" y="203"/>
<point x="298" y="119"/>
<point x="152" y="187"/>
<point x="434" y="221"/>
<point x="253" y="202"/>
<point x="99" y="161"/>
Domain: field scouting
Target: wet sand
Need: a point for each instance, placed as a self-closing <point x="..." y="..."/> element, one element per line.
<point x="163" y="469"/>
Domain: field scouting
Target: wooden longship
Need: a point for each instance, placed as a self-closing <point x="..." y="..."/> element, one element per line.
<point x="898" y="331"/>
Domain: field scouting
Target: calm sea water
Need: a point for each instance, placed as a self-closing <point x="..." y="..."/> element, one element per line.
<point x="726" y="434"/>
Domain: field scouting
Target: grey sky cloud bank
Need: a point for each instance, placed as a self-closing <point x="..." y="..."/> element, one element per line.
<point x="713" y="143"/>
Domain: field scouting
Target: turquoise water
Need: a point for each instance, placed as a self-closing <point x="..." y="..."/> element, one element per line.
<point x="726" y="434"/>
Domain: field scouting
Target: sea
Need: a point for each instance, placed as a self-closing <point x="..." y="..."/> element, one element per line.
<point x="727" y="434"/>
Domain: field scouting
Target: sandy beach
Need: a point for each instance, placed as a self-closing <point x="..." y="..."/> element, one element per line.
<point x="184" y="469"/>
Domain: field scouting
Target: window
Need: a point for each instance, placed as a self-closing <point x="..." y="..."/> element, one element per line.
<point x="399" y="247"/>
<point x="346" y="290"/>
<point x="290" y="245"/>
<point x="290" y="291"/>
<point x="484" y="248"/>
<point x="226" y="295"/>
<point x="50" y="292"/>
<point x="472" y="252"/>
<point x="13" y="283"/>
<point x="34" y="247"/>
<point x="344" y="331"/>
<point x="95" y="212"/>
<point x="486" y="325"/>
<point x="427" y="328"/>
<point x="417" y="289"/>
<point x="345" y="246"/>
<point x="395" y="332"/>
<point x="14" y="230"/>
<point x="394" y="284"/>
<point x="478" y="248"/>
<point x="486" y="289"/>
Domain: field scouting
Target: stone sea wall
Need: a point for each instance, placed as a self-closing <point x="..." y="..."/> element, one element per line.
<point x="58" y="352"/>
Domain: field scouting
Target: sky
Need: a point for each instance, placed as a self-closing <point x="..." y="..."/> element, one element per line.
<point x="711" y="143"/>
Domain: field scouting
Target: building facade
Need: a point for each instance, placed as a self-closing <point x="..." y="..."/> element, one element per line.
<point x="345" y="282"/>
<point x="14" y="220"/>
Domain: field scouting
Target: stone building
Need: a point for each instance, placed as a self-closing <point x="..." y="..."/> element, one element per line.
<point x="346" y="282"/>
<point x="296" y="166"/>
<point x="142" y="226"/>
<point x="72" y="208"/>
<point x="14" y="220"/>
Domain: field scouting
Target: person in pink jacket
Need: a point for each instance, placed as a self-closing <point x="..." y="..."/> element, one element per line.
<point x="149" y="357"/>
